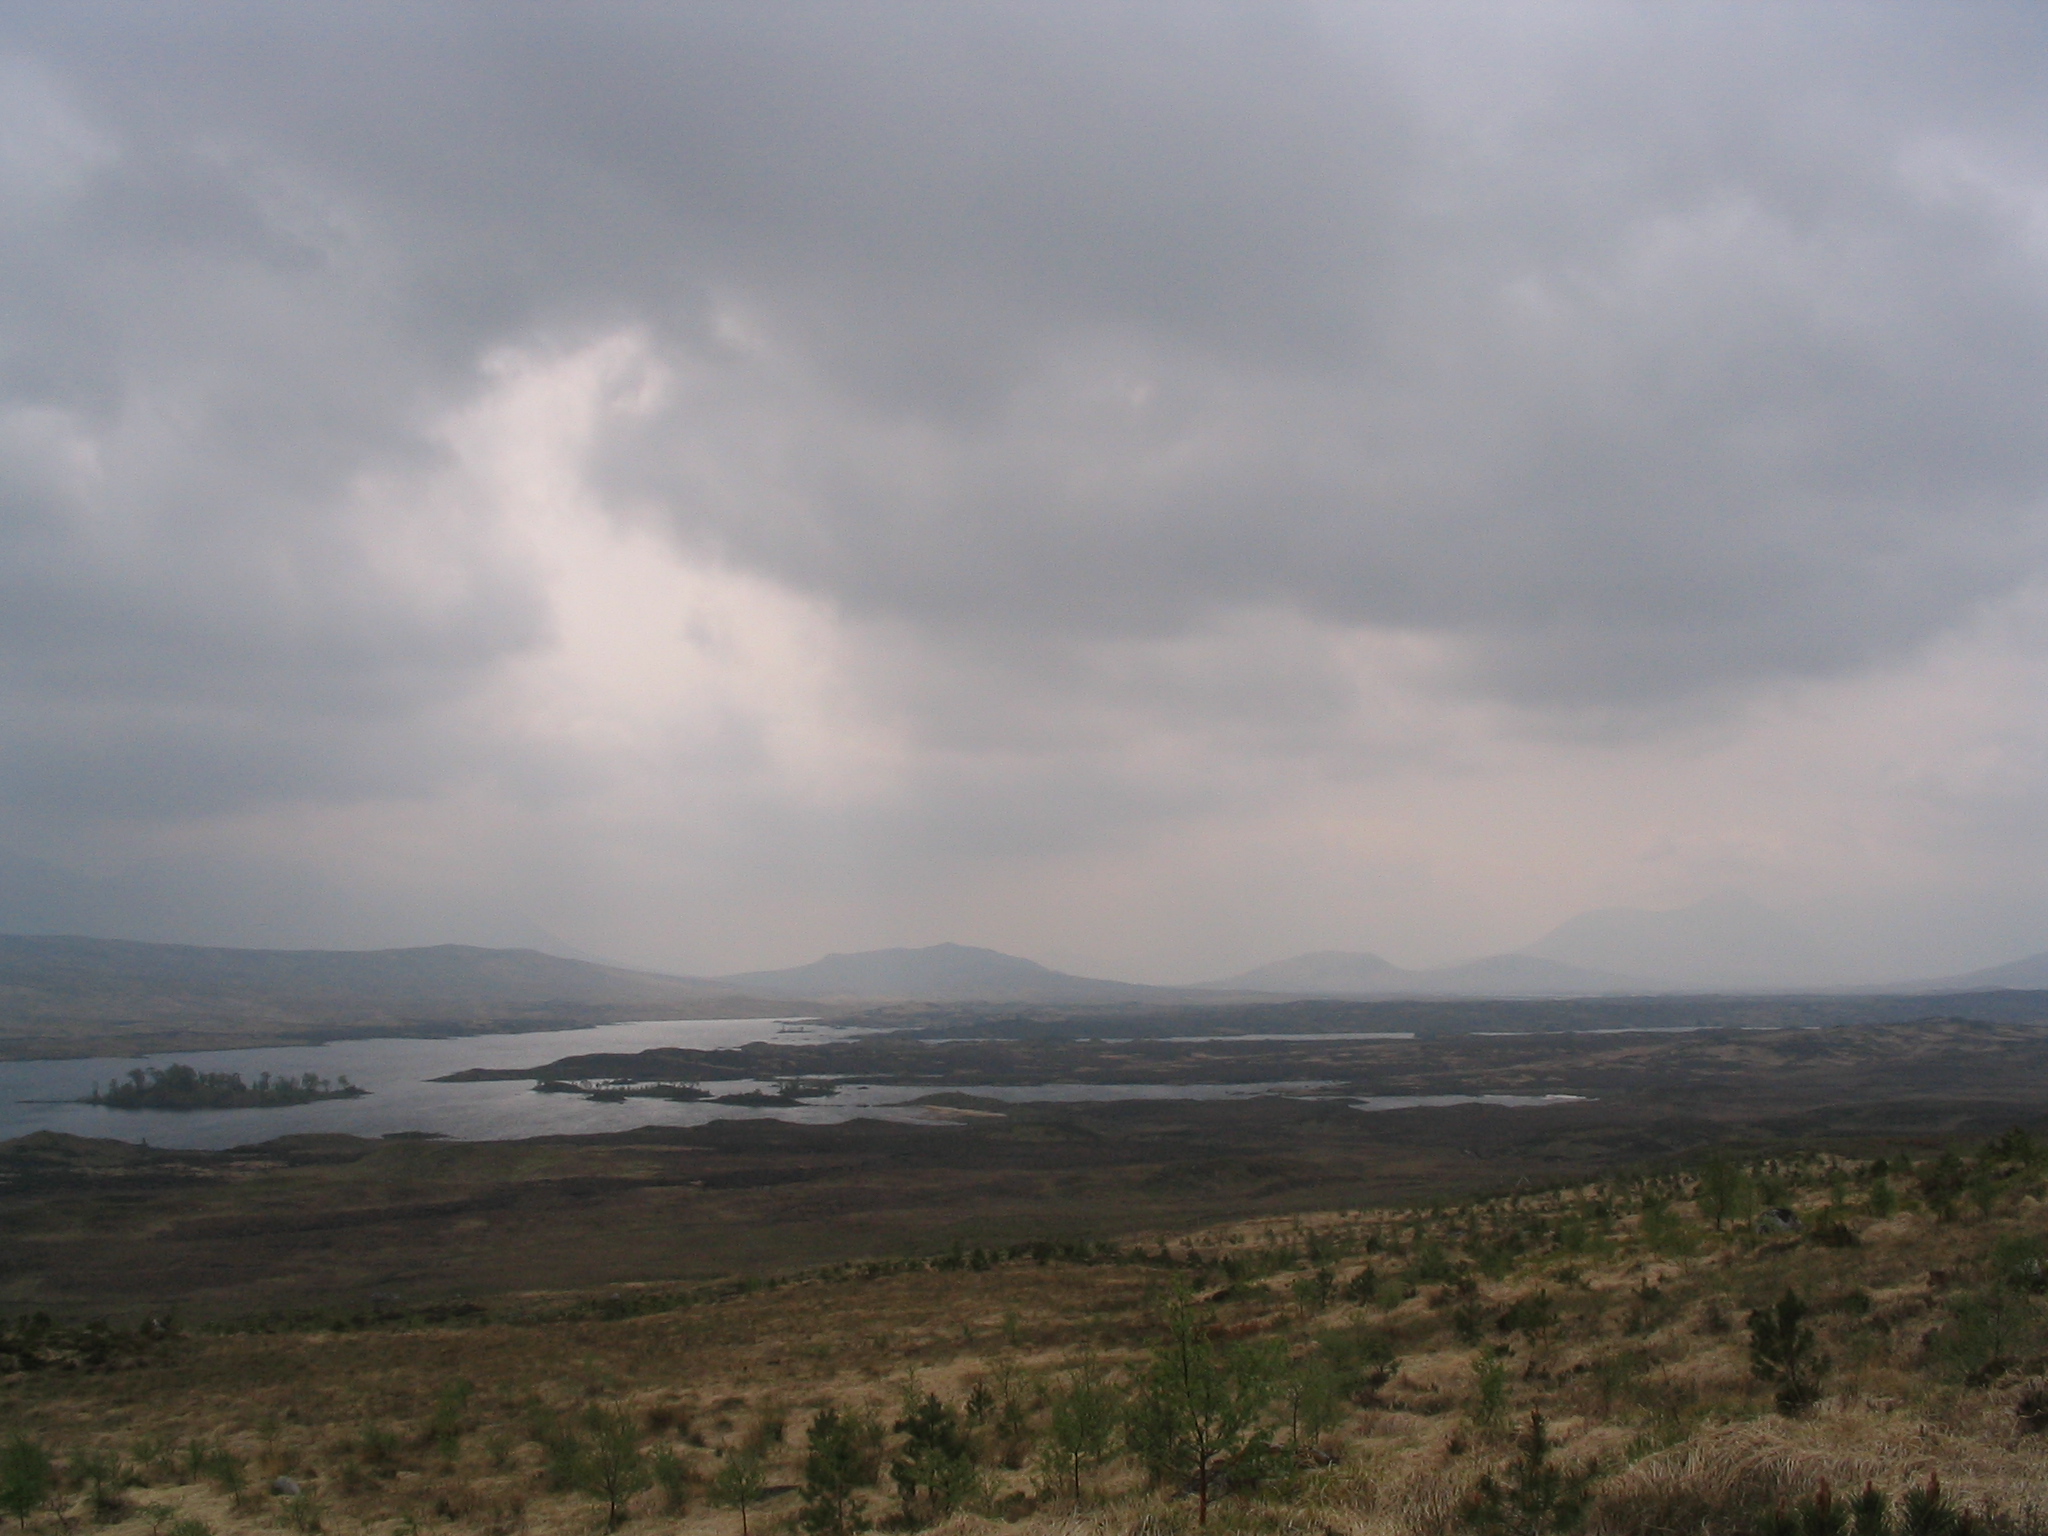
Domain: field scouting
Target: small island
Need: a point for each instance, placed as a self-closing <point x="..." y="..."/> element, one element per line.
<point x="181" y="1087"/>
<point x="612" y="1092"/>
<point x="788" y="1090"/>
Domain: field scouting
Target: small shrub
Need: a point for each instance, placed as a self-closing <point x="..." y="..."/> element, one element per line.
<point x="2032" y="1407"/>
<point x="197" y="1460"/>
<point x="664" y="1418"/>
<point x="1431" y="1265"/>
<point x="377" y="1447"/>
<point x="157" y="1453"/>
<point x="1468" y="1322"/>
<point x="1362" y="1358"/>
<point x="444" y="1429"/>
<point x="672" y="1477"/>
<point x="1928" y="1512"/>
<point x="1535" y="1497"/>
<point x="1942" y="1182"/>
<point x="229" y="1472"/>
<point x="1831" y="1232"/>
<point x="562" y="1449"/>
<point x="1784" y="1351"/>
<point x="1313" y="1292"/>
<point x="1489" y="1410"/>
<point x="1987" y="1330"/>
<point x="2020" y="1263"/>
<point x="1532" y="1315"/>
<point x="103" y="1477"/>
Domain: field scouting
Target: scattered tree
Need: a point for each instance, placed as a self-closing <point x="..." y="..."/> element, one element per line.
<point x="1725" y="1193"/>
<point x="613" y="1469"/>
<point x="739" y="1483"/>
<point x="1085" y="1410"/>
<point x="833" y="1471"/>
<point x="26" y="1475"/>
<point x="934" y="1472"/>
<point x="1200" y="1409"/>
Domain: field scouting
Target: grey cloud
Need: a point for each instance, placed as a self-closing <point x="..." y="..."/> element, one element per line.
<point x="1668" y="379"/>
<point x="1660" y="411"/>
<point x="1637" y="358"/>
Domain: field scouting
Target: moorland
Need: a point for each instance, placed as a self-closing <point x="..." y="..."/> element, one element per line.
<point x="977" y="1319"/>
<point x="327" y="1221"/>
<point x="1631" y="1354"/>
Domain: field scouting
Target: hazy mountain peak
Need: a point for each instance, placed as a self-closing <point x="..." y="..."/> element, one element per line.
<point x="2028" y="974"/>
<point x="1338" y="973"/>
<point x="1724" y="940"/>
<point x="937" y="973"/>
<point x="1325" y="970"/>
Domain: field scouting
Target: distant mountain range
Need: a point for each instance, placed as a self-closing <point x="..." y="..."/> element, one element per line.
<point x="2030" y="974"/>
<point x="943" y="973"/>
<point x="1336" y="973"/>
<point x="1721" y="943"/>
<point x="70" y="996"/>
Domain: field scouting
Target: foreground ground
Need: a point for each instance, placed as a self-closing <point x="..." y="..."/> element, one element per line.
<point x="1403" y="1349"/>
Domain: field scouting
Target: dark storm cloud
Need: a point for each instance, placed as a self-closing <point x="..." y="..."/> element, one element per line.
<point x="1693" y="358"/>
<point x="1632" y="356"/>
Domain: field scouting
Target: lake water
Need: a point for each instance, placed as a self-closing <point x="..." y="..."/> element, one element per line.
<point x="399" y="1073"/>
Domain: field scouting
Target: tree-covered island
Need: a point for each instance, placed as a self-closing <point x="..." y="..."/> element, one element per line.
<point x="181" y="1087"/>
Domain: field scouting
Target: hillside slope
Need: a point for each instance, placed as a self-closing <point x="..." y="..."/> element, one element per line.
<point x="59" y="995"/>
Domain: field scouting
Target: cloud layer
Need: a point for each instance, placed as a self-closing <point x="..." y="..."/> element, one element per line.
<point x="1151" y="486"/>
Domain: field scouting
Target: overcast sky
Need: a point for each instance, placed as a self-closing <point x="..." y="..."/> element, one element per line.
<point x="1155" y="488"/>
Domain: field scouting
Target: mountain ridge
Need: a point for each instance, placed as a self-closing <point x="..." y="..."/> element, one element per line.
<point x="1725" y="941"/>
<point x="942" y="973"/>
<point x="2026" y="974"/>
<point x="1343" y="973"/>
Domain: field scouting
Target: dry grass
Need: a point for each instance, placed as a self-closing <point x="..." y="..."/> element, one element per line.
<point x="1642" y="1366"/>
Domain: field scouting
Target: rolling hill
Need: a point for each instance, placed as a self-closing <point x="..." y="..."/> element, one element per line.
<point x="64" y="995"/>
